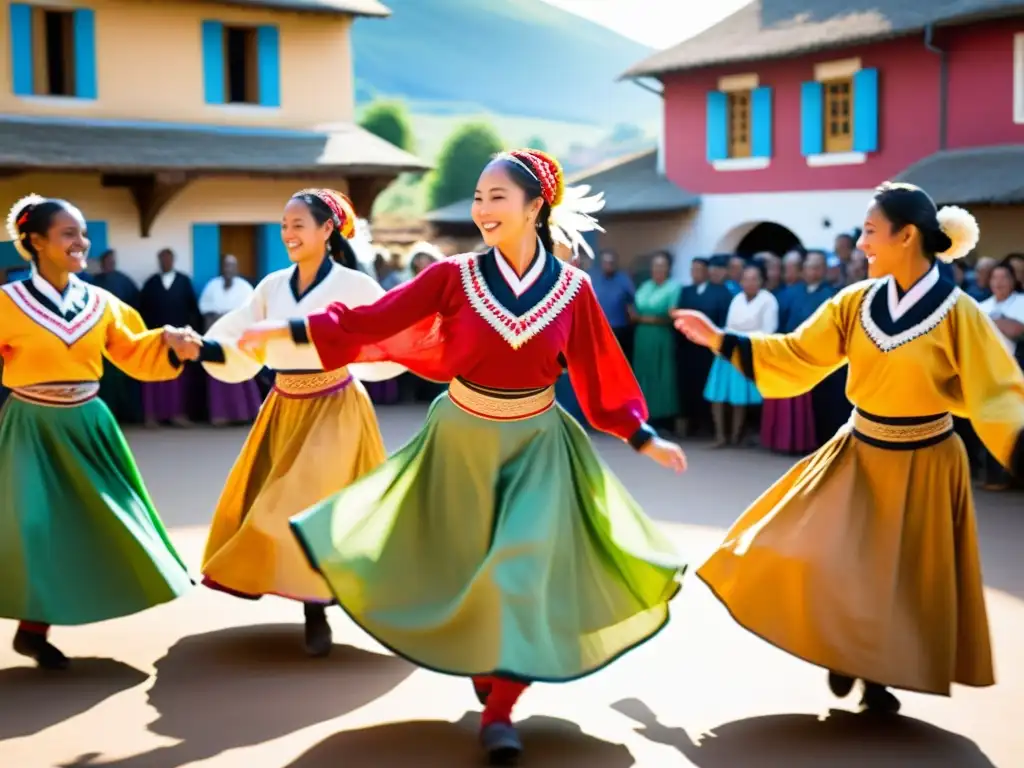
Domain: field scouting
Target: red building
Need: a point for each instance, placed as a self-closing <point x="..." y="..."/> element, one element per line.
<point x="785" y="115"/>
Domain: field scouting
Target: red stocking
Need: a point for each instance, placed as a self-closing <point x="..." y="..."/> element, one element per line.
<point x="34" y="627"/>
<point x="503" y="697"/>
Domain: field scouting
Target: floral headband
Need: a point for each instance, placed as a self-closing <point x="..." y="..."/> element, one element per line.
<point x="343" y="213"/>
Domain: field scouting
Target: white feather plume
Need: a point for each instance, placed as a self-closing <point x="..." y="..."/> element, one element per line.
<point x="12" y="222"/>
<point x="961" y="228"/>
<point x="574" y="215"/>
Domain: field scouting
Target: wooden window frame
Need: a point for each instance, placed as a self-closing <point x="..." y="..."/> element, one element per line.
<point x="252" y="65"/>
<point x="837" y="142"/>
<point x="41" y="52"/>
<point x="738" y="116"/>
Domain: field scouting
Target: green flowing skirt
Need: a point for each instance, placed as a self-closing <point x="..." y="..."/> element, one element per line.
<point x="80" y="540"/>
<point x="487" y="547"/>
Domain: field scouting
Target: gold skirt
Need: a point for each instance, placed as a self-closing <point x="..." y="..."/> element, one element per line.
<point x="863" y="559"/>
<point x="314" y="435"/>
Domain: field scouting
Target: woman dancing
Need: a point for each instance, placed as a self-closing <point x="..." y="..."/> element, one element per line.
<point x="315" y="433"/>
<point x="80" y="540"/>
<point x="496" y="545"/>
<point x="868" y="547"/>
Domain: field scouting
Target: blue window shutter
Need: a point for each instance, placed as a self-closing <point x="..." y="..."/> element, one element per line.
<point x="205" y="254"/>
<point x="85" y="54"/>
<point x="761" y="122"/>
<point x="21" y="49"/>
<point x="812" y="119"/>
<point x="271" y="253"/>
<point x="718" y="126"/>
<point x="97" y="233"/>
<point x="865" y="111"/>
<point x="213" y="62"/>
<point x="268" y="56"/>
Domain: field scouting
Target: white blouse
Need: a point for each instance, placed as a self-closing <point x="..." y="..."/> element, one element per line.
<point x="757" y="315"/>
<point x="1011" y="309"/>
<point x="273" y="299"/>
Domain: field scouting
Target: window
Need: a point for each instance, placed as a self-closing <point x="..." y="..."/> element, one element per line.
<point x="739" y="123"/>
<point x="53" y="51"/>
<point x="241" y="64"/>
<point x="838" y="115"/>
<point x="241" y="69"/>
<point x="1018" y="77"/>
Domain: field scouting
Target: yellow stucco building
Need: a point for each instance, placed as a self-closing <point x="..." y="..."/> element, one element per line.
<point x="185" y="124"/>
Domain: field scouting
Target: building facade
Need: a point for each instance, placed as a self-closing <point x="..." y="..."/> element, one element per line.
<point x="785" y="116"/>
<point x="185" y="124"/>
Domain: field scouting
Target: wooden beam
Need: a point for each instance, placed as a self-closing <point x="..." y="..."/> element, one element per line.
<point x="151" y="193"/>
<point x="364" y="190"/>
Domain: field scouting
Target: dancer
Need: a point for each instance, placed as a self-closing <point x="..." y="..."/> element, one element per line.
<point x="80" y="540"/>
<point x="868" y="548"/>
<point x="315" y="433"/>
<point x="496" y="545"/>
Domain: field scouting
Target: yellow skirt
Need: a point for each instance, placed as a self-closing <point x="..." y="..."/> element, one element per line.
<point x="314" y="435"/>
<point x="864" y="560"/>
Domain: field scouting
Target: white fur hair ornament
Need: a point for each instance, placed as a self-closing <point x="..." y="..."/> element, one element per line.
<point x="961" y="228"/>
<point x="12" y="222"/>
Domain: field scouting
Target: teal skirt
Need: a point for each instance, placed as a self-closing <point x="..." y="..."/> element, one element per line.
<point x="80" y="540"/>
<point x="486" y="547"/>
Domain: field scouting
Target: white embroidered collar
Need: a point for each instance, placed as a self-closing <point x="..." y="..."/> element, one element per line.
<point x="883" y="340"/>
<point x="898" y="307"/>
<point x="73" y="295"/>
<point x="521" y="285"/>
<point x="517" y="330"/>
<point x="68" y="331"/>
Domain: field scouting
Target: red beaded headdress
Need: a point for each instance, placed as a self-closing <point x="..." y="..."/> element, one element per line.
<point x="572" y="208"/>
<point x="342" y="211"/>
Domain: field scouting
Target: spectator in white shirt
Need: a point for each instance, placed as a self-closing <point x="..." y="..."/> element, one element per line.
<point x="1006" y="305"/>
<point x="228" y="403"/>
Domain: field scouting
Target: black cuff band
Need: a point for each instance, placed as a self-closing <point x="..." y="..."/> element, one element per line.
<point x="1017" y="457"/>
<point x="174" y="359"/>
<point x="732" y="342"/>
<point x="297" y="328"/>
<point x="641" y="437"/>
<point x="211" y="352"/>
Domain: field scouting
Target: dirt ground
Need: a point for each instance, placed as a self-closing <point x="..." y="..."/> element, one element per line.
<point x="218" y="682"/>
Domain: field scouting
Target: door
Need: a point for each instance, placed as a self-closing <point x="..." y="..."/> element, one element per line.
<point x="239" y="240"/>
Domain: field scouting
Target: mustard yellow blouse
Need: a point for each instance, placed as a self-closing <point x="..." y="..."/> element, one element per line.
<point x="46" y="336"/>
<point x="926" y="351"/>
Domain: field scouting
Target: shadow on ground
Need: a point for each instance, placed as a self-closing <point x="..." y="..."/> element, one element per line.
<point x="547" y="742"/>
<point x="35" y="699"/>
<point x="243" y="686"/>
<point x="842" y="740"/>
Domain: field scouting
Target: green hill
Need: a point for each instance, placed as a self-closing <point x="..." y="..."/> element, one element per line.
<point x="513" y="58"/>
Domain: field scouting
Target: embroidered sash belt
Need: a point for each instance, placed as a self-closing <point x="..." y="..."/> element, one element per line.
<point x="314" y="384"/>
<point x="59" y="394"/>
<point x="500" y="404"/>
<point x="904" y="433"/>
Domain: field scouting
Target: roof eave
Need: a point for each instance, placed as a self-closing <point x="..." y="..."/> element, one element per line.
<point x="383" y="13"/>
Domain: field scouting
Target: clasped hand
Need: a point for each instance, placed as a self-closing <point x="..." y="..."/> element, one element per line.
<point x="185" y="342"/>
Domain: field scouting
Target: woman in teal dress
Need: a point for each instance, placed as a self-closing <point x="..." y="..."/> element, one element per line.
<point x="654" y="346"/>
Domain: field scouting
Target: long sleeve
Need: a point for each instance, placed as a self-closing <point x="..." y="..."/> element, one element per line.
<point x="601" y="377"/>
<point x="401" y="326"/>
<point x="992" y="386"/>
<point x="785" y="365"/>
<point x="232" y="365"/>
<point x="136" y="350"/>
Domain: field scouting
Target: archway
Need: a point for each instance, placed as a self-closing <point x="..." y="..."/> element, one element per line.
<point x="768" y="236"/>
<point x="755" y="236"/>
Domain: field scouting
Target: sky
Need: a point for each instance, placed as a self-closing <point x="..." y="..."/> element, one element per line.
<point x="646" y="20"/>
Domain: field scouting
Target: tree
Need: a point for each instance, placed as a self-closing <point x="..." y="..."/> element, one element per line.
<point x="623" y="133"/>
<point x="537" y="143"/>
<point x="390" y="121"/>
<point x="463" y="156"/>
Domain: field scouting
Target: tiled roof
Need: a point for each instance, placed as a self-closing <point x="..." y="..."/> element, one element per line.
<point x="347" y="7"/>
<point x="110" y="146"/>
<point x="631" y="185"/>
<point x="768" y="29"/>
<point x="980" y="175"/>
